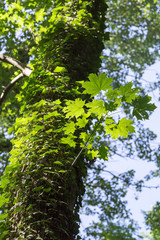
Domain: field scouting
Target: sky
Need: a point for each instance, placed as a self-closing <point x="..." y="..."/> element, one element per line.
<point x="148" y="197"/>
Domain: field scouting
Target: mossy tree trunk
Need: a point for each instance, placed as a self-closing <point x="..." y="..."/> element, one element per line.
<point x="44" y="190"/>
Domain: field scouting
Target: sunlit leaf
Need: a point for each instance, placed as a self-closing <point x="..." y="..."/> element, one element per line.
<point x="69" y="128"/>
<point x="74" y="108"/>
<point x="125" y="126"/>
<point x="39" y="15"/>
<point x="97" y="107"/>
<point x="96" y="84"/>
<point x="81" y="122"/>
<point x="69" y="140"/>
<point x="60" y="69"/>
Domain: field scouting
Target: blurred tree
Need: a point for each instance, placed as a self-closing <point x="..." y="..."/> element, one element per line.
<point x="152" y="220"/>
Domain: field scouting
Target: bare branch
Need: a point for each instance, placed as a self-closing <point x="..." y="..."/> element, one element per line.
<point x="25" y="69"/>
<point x="10" y="85"/>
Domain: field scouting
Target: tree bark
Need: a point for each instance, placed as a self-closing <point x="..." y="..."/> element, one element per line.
<point x="45" y="196"/>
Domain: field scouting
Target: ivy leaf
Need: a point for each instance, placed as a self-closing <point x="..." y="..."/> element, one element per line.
<point x="60" y="69"/>
<point x="39" y="15"/>
<point x="2" y="200"/>
<point x="58" y="163"/>
<point x="96" y="84"/>
<point x="3" y="216"/>
<point x="74" y="108"/>
<point x="69" y="140"/>
<point x="52" y="114"/>
<point x="69" y="128"/>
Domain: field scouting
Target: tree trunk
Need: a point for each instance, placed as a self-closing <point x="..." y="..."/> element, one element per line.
<point x="44" y="191"/>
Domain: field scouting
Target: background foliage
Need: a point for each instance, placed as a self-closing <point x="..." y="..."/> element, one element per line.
<point x="133" y="46"/>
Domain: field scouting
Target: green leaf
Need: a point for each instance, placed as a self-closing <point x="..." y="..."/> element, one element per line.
<point x="40" y="103"/>
<point x="112" y="129"/>
<point x="128" y="92"/>
<point x="60" y="69"/>
<point x="37" y="188"/>
<point x="109" y="121"/>
<point x="84" y="136"/>
<point x="112" y="94"/>
<point x="17" y="5"/>
<point x="92" y="153"/>
<point x="69" y="140"/>
<point x="69" y="128"/>
<point x="37" y="128"/>
<point x="96" y="84"/>
<point x="142" y="107"/>
<point x="110" y="106"/>
<point x="81" y="122"/>
<point x="2" y="200"/>
<point x="97" y="107"/>
<point x="4" y="183"/>
<point x="125" y="127"/>
<point x="39" y="15"/>
<point x="62" y="171"/>
<point x="49" y="131"/>
<point x="58" y="163"/>
<point x="74" y="108"/>
<point x="3" y="216"/>
<point x="103" y="151"/>
<point x="57" y="102"/>
<point x="47" y="189"/>
<point x="4" y="235"/>
<point x="52" y="114"/>
<point x="10" y="130"/>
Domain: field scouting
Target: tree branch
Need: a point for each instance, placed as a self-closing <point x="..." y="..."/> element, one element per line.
<point x="10" y="85"/>
<point x="26" y="71"/>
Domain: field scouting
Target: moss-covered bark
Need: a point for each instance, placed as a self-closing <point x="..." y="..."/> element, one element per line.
<point x="44" y="191"/>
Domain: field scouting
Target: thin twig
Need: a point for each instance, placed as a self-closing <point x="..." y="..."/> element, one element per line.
<point x="90" y="138"/>
<point x="86" y="142"/>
